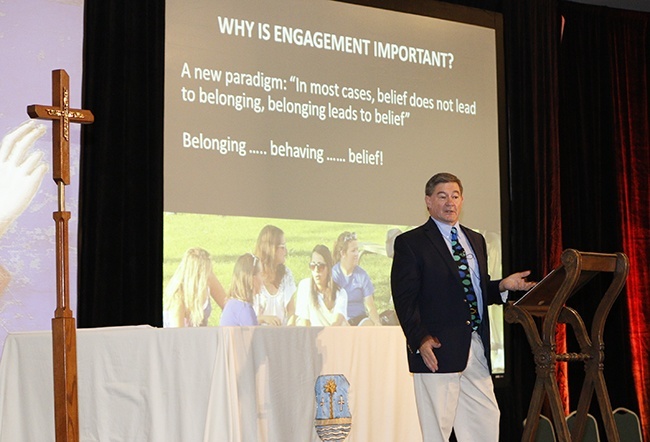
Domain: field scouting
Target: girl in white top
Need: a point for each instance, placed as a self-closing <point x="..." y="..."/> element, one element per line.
<point x="274" y="304"/>
<point x="320" y="301"/>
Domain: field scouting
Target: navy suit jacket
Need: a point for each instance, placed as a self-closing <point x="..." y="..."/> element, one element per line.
<point x="429" y="297"/>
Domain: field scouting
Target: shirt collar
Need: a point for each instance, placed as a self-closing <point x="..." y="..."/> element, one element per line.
<point x="445" y="229"/>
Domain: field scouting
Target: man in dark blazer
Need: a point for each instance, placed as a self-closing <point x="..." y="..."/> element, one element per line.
<point x="449" y="350"/>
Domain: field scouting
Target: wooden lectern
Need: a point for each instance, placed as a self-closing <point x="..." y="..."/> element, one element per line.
<point x="547" y="301"/>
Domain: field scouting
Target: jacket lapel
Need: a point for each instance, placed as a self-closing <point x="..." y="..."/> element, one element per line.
<point x="433" y="234"/>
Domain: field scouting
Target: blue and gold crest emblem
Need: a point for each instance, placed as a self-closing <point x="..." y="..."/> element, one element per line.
<point x="333" y="418"/>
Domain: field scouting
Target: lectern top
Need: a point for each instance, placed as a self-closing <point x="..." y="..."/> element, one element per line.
<point x="543" y="293"/>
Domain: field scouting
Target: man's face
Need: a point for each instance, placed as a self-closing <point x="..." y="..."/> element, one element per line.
<point x="445" y="202"/>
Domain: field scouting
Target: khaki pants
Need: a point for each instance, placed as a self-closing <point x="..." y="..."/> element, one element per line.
<point x="463" y="401"/>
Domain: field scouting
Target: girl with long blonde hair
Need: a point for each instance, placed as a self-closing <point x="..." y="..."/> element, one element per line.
<point x="187" y="295"/>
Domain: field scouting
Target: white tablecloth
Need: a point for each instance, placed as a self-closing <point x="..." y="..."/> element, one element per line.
<point x="210" y="384"/>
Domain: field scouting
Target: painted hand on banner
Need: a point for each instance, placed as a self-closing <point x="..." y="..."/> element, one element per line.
<point x="21" y="171"/>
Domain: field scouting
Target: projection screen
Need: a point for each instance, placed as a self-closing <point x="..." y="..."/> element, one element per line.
<point x="323" y="117"/>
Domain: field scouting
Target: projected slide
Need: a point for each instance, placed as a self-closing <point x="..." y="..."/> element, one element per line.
<point x="322" y="120"/>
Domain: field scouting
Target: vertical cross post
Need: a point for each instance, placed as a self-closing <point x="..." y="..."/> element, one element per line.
<point x="64" y="331"/>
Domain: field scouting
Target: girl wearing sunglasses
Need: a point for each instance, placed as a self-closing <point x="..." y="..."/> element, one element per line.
<point x="320" y="301"/>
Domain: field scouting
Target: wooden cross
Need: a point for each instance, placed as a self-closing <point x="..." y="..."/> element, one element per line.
<point x="62" y="116"/>
<point x="64" y="330"/>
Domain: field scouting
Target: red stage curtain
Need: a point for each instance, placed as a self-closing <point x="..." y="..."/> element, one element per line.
<point x="605" y="140"/>
<point x="629" y="37"/>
